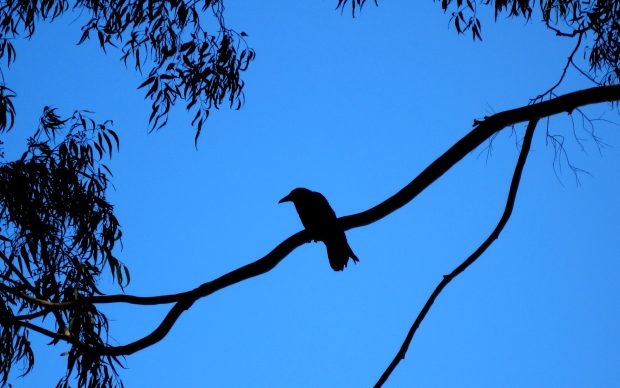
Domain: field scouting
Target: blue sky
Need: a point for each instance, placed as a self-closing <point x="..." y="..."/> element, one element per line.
<point x="355" y="109"/>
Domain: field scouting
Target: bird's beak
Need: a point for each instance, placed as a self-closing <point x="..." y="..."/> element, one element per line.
<point x="285" y="199"/>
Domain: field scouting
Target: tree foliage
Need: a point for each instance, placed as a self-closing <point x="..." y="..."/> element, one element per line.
<point x="58" y="233"/>
<point x="169" y="38"/>
<point x="594" y="21"/>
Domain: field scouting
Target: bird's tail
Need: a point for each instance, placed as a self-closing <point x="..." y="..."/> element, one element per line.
<point x="338" y="253"/>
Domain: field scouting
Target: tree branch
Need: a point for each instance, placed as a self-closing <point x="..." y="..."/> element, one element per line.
<point x="52" y="306"/>
<point x="512" y="194"/>
<point x="571" y="34"/>
<point x="569" y="61"/>
<point x="37" y="300"/>
<point x="46" y="332"/>
<point x="482" y="131"/>
<point x="15" y="270"/>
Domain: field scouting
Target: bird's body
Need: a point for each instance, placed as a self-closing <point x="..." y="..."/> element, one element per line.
<point x="321" y="222"/>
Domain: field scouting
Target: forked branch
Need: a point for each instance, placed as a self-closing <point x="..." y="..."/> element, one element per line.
<point x="481" y="132"/>
<point x="512" y="194"/>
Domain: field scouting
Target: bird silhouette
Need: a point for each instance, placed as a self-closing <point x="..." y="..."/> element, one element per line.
<point x="321" y="223"/>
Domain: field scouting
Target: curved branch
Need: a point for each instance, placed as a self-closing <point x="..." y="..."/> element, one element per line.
<point x="482" y="131"/>
<point x="512" y="194"/>
<point x="248" y="271"/>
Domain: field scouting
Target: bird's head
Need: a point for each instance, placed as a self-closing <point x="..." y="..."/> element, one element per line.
<point x="296" y="195"/>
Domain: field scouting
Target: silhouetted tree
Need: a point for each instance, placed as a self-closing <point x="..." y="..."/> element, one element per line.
<point x="58" y="235"/>
<point x="58" y="231"/>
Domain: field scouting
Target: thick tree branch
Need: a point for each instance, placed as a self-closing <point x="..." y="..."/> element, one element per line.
<point x="248" y="271"/>
<point x="512" y="194"/>
<point x="482" y="131"/>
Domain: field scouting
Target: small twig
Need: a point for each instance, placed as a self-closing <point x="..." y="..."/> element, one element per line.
<point x="47" y="333"/>
<point x="569" y="61"/>
<point x="578" y="140"/>
<point x="572" y="34"/>
<point x="512" y="194"/>
<point x="560" y="154"/>
<point x="585" y="74"/>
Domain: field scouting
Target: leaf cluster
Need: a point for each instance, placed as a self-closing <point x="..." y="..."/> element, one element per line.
<point x="7" y="109"/>
<point x="167" y="38"/>
<point x="596" y="21"/>
<point x="58" y="234"/>
<point x="355" y="5"/>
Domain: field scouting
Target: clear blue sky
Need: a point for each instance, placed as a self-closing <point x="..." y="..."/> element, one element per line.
<point x="355" y="109"/>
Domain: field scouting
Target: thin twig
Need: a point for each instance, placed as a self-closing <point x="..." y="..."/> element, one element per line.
<point x="512" y="194"/>
<point x="46" y="332"/>
<point x="569" y="61"/>
<point x="585" y="74"/>
<point x="572" y="34"/>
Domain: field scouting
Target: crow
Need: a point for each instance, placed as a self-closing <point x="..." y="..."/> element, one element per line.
<point x="321" y="223"/>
